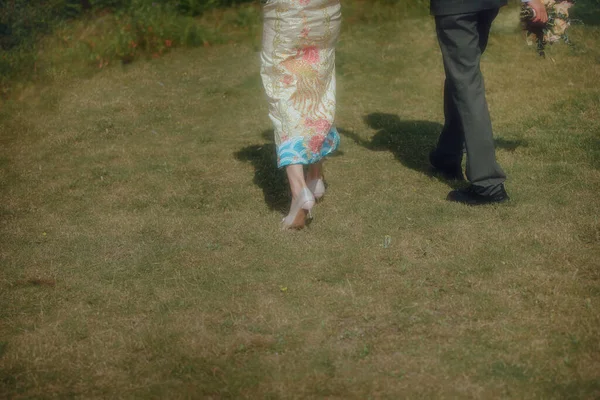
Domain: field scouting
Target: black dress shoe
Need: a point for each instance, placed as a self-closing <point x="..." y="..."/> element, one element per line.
<point x="450" y="172"/>
<point x="471" y="197"/>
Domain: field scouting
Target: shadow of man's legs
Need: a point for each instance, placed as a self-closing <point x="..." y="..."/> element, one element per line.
<point x="409" y="141"/>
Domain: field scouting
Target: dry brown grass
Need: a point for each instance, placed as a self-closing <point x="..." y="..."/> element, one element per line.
<point x="141" y="255"/>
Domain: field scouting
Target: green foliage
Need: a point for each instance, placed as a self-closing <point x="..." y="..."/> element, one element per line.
<point x="146" y="28"/>
<point x="129" y="28"/>
<point x="21" y="24"/>
<point x="99" y="32"/>
<point x="586" y="12"/>
<point x="198" y="7"/>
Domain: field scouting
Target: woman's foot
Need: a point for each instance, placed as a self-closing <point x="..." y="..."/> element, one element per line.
<point x="300" y="208"/>
<point x="317" y="187"/>
<point x="314" y="179"/>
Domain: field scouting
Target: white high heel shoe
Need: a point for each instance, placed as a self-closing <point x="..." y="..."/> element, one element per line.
<point x="317" y="187"/>
<point x="302" y="205"/>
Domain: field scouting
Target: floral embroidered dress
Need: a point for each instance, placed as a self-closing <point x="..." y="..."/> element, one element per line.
<point x="298" y="63"/>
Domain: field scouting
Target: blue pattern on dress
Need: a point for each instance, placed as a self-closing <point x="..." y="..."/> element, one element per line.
<point x="296" y="150"/>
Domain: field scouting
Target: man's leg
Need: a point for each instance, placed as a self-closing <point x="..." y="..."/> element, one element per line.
<point x="462" y="40"/>
<point x="449" y="150"/>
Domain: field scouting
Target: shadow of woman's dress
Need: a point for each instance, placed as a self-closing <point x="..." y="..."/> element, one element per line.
<point x="272" y="180"/>
<point x="267" y="176"/>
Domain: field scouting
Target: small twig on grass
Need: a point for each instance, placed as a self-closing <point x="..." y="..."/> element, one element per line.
<point x="36" y="282"/>
<point x="351" y="290"/>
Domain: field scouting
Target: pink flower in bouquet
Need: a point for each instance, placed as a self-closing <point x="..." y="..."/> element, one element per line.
<point x="551" y="38"/>
<point x="562" y="8"/>
<point x="310" y="54"/>
<point x="560" y="26"/>
<point x="551" y="32"/>
<point x="315" y="143"/>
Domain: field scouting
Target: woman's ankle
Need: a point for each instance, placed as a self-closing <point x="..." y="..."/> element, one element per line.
<point x="314" y="172"/>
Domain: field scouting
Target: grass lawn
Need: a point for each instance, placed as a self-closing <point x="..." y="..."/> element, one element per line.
<point x="141" y="255"/>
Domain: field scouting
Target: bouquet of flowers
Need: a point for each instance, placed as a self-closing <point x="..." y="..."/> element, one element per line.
<point x="553" y="30"/>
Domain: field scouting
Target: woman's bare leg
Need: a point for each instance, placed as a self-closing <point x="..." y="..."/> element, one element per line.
<point x="315" y="171"/>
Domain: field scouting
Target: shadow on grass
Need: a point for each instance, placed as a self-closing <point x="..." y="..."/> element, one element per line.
<point x="510" y="145"/>
<point x="267" y="176"/>
<point x="411" y="141"/>
<point x="272" y="180"/>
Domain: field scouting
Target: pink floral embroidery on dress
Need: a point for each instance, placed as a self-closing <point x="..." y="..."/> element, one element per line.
<point x="298" y="77"/>
<point x="310" y="54"/>
<point x="287" y="80"/>
<point x="315" y="143"/>
<point x="319" y="125"/>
